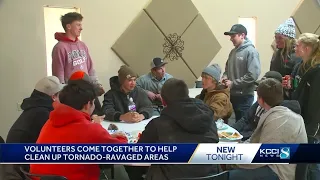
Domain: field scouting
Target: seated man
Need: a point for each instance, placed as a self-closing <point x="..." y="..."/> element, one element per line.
<point x="70" y="122"/>
<point x="248" y="123"/>
<point x="153" y="82"/>
<point x="215" y="95"/>
<point x="117" y="99"/>
<point x="99" y="91"/>
<point x="36" y="110"/>
<point x="183" y="120"/>
<point x="278" y="124"/>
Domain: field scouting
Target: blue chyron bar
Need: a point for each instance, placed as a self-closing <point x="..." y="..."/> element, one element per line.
<point x="204" y="153"/>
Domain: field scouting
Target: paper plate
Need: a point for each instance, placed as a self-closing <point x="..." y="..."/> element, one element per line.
<point x="224" y="127"/>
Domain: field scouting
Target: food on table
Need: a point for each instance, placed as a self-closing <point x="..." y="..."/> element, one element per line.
<point x="224" y="134"/>
<point x="231" y="135"/>
<point x="235" y="135"/>
<point x="113" y="127"/>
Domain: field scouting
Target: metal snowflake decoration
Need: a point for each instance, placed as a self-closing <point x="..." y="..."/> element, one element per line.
<point x="173" y="46"/>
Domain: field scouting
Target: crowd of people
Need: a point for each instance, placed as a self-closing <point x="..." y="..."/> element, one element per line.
<point x="64" y="108"/>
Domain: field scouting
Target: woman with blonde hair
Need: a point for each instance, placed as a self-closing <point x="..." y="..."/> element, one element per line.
<point x="306" y="86"/>
<point x="284" y="58"/>
<point x="306" y="83"/>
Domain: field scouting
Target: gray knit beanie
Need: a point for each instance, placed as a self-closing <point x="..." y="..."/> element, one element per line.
<point x="214" y="71"/>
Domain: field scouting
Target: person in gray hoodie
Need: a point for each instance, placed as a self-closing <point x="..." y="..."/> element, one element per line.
<point x="242" y="70"/>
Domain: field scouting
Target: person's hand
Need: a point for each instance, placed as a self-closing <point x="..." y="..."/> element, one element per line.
<point x="101" y="87"/>
<point x="131" y="117"/>
<point x="97" y="119"/>
<point x="158" y="96"/>
<point x="127" y="117"/>
<point x="286" y="83"/>
<point x="151" y="95"/>
<point x="118" y="134"/>
<point x="223" y="79"/>
<point x="101" y="91"/>
<point x="137" y="117"/>
<point x="228" y="83"/>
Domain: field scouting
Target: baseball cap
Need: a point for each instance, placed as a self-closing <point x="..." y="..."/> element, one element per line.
<point x="49" y="85"/>
<point x="157" y="62"/>
<point x="81" y="75"/>
<point x="271" y="74"/>
<point x="237" y="29"/>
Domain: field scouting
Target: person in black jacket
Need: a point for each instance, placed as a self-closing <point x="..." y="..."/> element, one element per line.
<point x="306" y="83"/>
<point x="306" y="87"/>
<point x="248" y="123"/>
<point x="284" y="58"/>
<point x="116" y="100"/>
<point x="183" y="120"/>
<point x="36" y="110"/>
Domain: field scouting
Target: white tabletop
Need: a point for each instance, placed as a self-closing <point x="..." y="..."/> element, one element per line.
<point x="135" y="128"/>
<point x="128" y="127"/>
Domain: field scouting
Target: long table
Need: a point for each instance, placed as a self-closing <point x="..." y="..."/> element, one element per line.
<point x="140" y="126"/>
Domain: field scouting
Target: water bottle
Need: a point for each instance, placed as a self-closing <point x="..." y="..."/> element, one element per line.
<point x="132" y="105"/>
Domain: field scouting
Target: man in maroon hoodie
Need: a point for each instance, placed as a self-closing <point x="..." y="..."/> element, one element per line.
<point x="70" y="54"/>
<point x="69" y="123"/>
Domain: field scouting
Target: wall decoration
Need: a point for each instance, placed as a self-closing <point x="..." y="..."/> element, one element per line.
<point x="174" y="31"/>
<point x="307" y="16"/>
<point x="173" y="46"/>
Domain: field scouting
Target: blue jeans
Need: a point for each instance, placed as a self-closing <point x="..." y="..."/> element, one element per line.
<point x="262" y="173"/>
<point x="241" y="104"/>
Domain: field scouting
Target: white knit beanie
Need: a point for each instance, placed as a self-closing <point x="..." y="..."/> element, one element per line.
<point x="287" y="29"/>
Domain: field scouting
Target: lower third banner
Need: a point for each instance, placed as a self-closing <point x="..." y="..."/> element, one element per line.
<point x="159" y="153"/>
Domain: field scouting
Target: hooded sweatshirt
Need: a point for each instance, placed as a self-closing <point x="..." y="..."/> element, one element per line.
<point x="69" y="56"/>
<point x="68" y="125"/>
<point x="243" y="68"/>
<point x="306" y="91"/>
<point x="185" y="121"/>
<point x="27" y="127"/>
<point x="219" y="101"/>
<point x="116" y="102"/>
<point x="279" y="125"/>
